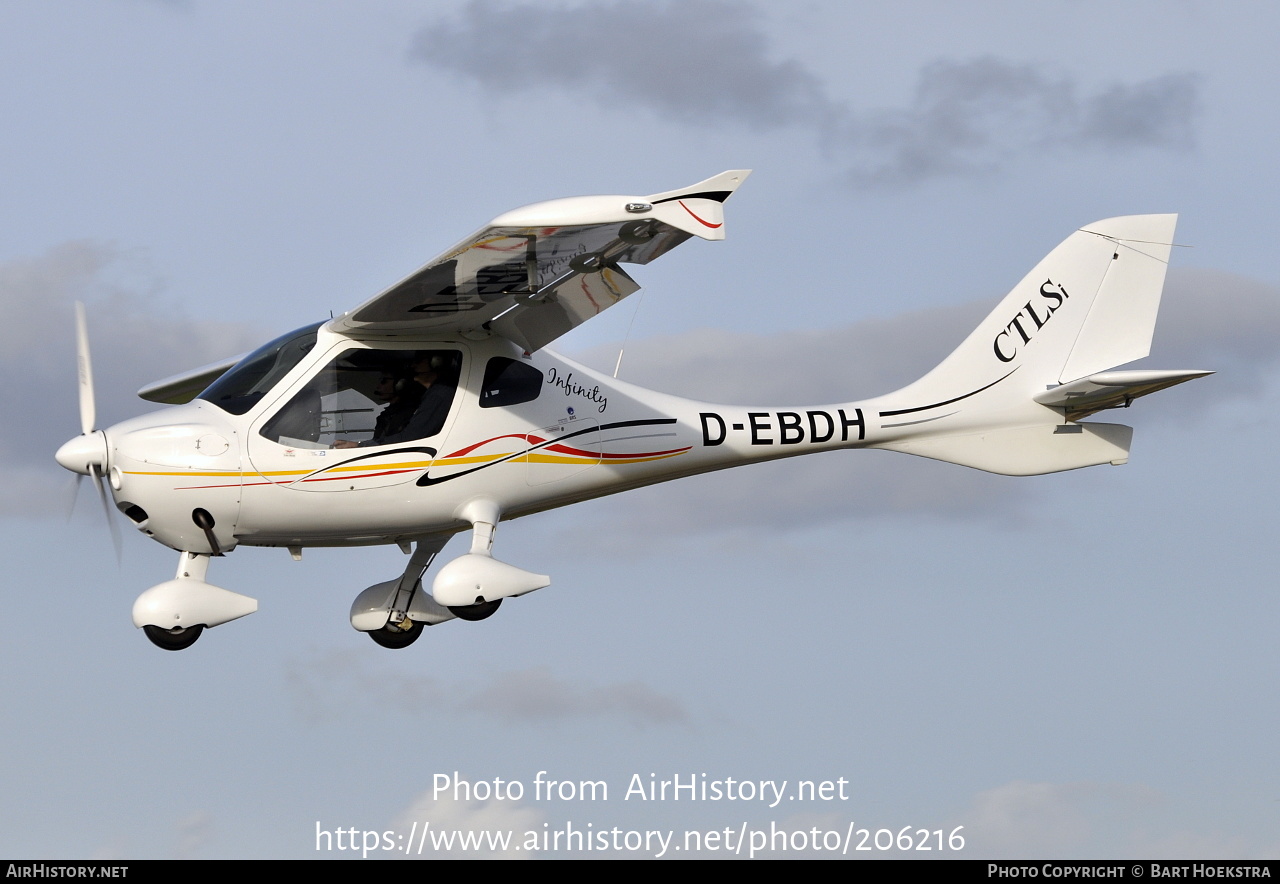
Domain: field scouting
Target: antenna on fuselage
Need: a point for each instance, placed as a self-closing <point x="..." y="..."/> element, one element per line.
<point x="617" y="365"/>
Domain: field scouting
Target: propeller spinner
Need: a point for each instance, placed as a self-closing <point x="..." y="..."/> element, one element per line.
<point x="88" y="454"/>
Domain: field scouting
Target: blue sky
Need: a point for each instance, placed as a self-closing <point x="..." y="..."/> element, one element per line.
<point x="1078" y="665"/>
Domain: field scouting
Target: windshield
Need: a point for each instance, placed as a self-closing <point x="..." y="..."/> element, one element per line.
<point x="249" y="379"/>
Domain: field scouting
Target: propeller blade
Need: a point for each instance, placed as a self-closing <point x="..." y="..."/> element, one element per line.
<point x="88" y="411"/>
<point x="73" y="493"/>
<point x="98" y="478"/>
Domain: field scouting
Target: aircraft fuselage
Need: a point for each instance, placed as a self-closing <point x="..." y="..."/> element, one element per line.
<point x="562" y="433"/>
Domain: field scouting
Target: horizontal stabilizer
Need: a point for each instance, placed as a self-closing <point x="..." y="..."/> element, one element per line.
<point x="1111" y="389"/>
<point x="1026" y="451"/>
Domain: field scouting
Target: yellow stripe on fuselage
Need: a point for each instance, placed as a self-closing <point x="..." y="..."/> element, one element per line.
<point x="354" y="468"/>
<point x="367" y="467"/>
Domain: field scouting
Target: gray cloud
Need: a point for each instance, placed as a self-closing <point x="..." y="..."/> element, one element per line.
<point x="537" y="695"/>
<point x="709" y="61"/>
<point x="974" y="116"/>
<point x="328" y="685"/>
<point x="1156" y="112"/>
<point x="135" y="337"/>
<point x="697" y="61"/>
<point x="1209" y="320"/>
<point x="325" y="686"/>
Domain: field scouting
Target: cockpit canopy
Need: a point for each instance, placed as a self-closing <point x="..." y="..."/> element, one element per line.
<point x="248" y="381"/>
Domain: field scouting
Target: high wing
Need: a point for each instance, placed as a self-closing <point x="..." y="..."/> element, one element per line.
<point x="534" y="273"/>
<point x="531" y="275"/>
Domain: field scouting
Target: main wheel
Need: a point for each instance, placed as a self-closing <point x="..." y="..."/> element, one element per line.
<point x="397" y="638"/>
<point x="475" y="612"/>
<point x="175" y="639"/>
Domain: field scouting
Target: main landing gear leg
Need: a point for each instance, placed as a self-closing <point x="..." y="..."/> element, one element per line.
<point x="401" y="631"/>
<point x="484" y="524"/>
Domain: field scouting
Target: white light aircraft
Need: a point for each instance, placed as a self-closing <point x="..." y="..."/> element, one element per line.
<point x="434" y="409"/>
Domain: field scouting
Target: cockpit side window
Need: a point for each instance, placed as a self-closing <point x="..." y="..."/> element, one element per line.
<point x="248" y="380"/>
<point x="509" y="382"/>
<point x="368" y="398"/>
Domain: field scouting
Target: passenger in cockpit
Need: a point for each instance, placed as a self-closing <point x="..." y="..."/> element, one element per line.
<point x="435" y="377"/>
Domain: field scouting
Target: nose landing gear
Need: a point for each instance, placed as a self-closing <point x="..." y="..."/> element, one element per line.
<point x="175" y="613"/>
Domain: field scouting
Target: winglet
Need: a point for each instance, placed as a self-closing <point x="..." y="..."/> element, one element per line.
<point x="699" y="208"/>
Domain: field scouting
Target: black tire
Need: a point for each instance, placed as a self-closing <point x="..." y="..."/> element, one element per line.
<point x="475" y="612"/>
<point x="173" y="640"/>
<point x="396" y="638"/>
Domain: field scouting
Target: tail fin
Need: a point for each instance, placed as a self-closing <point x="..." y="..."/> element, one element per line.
<point x="1087" y="307"/>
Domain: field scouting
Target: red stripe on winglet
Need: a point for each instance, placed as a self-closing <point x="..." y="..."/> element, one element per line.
<point x="699" y="220"/>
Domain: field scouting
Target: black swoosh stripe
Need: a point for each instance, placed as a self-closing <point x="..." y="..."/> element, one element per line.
<point x="946" y="402"/>
<point x="717" y="195"/>
<point x="429" y="452"/>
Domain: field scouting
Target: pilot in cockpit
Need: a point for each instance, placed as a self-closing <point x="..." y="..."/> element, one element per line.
<point x="400" y="395"/>
<point x="428" y="395"/>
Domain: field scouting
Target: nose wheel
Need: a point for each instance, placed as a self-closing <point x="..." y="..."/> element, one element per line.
<point x="175" y="639"/>
<point x="173" y="614"/>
